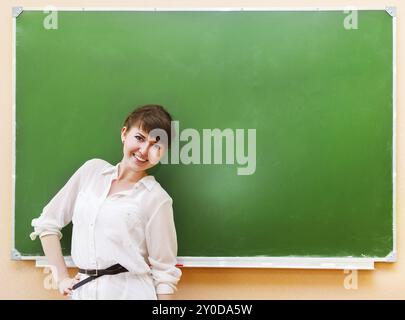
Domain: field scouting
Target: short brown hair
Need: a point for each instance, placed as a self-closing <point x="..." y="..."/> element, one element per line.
<point x="149" y="117"/>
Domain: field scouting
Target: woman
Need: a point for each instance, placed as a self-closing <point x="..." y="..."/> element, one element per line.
<point x="124" y="239"/>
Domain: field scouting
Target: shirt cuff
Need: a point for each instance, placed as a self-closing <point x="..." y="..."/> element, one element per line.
<point x="163" y="288"/>
<point x="36" y="234"/>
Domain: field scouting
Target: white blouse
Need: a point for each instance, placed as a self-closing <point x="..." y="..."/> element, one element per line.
<point x="133" y="227"/>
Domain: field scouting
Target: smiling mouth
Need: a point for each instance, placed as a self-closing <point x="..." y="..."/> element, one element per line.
<point x="139" y="158"/>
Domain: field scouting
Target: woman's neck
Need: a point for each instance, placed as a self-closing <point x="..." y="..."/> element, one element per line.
<point x="127" y="175"/>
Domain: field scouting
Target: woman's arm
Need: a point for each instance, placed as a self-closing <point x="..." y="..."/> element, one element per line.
<point x="53" y="252"/>
<point x="57" y="214"/>
<point x="161" y="242"/>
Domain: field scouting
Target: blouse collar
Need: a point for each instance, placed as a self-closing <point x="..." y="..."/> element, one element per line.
<point x="148" y="181"/>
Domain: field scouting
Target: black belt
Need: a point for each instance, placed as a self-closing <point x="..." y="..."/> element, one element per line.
<point x="94" y="274"/>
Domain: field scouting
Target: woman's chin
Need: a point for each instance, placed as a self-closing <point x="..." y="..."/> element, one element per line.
<point x="138" y="167"/>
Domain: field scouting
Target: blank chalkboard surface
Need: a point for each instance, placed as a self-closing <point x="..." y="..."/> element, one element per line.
<point x="319" y="95"/>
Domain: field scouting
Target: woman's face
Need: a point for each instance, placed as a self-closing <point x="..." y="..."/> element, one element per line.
<point x="141" y="152"/>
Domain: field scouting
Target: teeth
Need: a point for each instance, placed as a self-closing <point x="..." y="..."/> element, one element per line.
<point x="140" y="159"/>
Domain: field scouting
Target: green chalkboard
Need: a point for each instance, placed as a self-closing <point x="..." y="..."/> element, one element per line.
<point x="319" y="96"/>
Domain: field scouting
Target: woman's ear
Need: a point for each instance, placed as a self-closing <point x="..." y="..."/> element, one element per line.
<point x="123" y="133"/>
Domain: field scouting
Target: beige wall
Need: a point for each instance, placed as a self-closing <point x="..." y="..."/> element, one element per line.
<point x="21" y="280"/>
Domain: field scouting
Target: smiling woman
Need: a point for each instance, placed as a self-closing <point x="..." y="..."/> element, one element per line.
<point x="124" y="239"/>
<point x="141" y="150"/>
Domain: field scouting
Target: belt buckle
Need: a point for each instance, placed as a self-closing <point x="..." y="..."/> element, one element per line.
<point x="92" y="273"/>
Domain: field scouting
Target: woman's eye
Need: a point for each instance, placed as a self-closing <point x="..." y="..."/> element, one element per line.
<point x="138" y="138"/>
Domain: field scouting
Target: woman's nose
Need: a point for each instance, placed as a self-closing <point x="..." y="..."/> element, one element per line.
<point x="144" y="149"/>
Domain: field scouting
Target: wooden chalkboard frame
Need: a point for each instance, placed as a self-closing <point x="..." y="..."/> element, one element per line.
<point x="241" y="262"/>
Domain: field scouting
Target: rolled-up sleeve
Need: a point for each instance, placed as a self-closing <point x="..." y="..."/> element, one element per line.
<point x="58" y="212"/>
<point x="161" y="241"/>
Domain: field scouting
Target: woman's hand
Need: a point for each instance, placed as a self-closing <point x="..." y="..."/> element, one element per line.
<point x="65" y="285"/>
